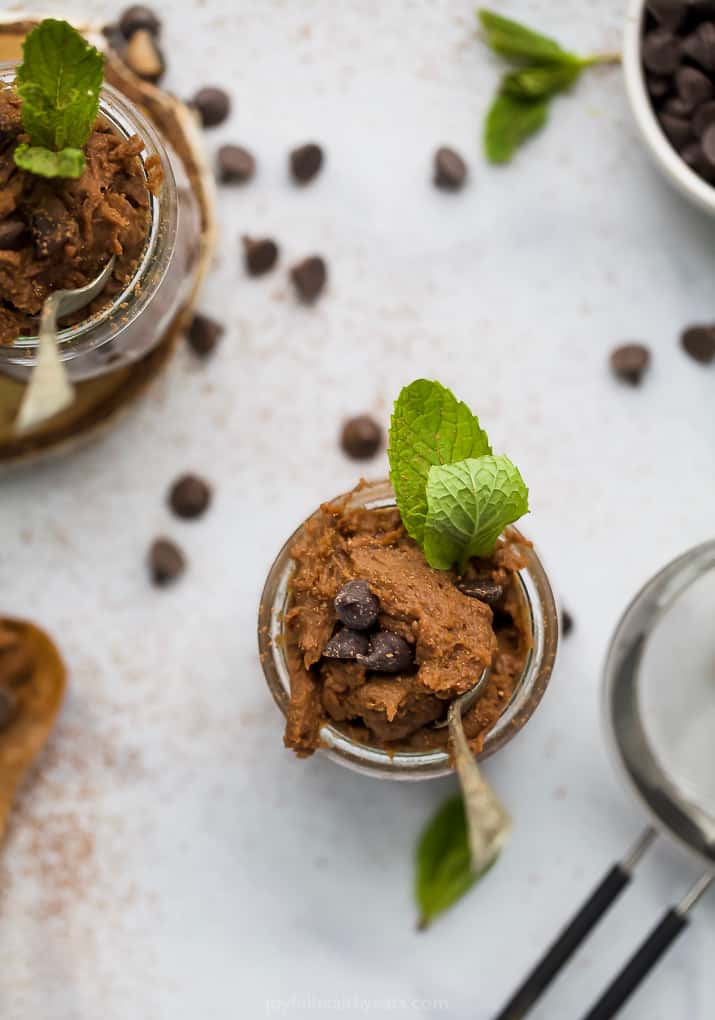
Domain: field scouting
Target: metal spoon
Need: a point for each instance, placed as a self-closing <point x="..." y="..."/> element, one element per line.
<point x="466" y="700"/>
<point x="49" y="390"/>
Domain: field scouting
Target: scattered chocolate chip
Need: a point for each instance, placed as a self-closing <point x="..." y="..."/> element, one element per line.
<point x="629" y="362"/>
<point x="389" y="653"/>
<point x="708" y="145"/>
<point x="139" y="19"/>
<point x="450" y="170"/>
<point x="259" y="255"/>
<point x="486" y="591"/>
<point x="51" y="227"/>
<point x="676" y="129"/>
<point x="189" y="496"/>
<point x="693" y="87"/>
<point x="12" y="234"/>
<point x="356" y="606"/>
<point x="213" y="105"/>
<point x="309" y="277"/>
<point x="703" y="117"/>
<point x="166" y="561"/>
<point x="567" y="622"/>
<point x="204" y="334"/>
<point x="700" y="45"/>
<point x="699" y="343"/>
<point x="305" y="162"/>
<point x="8" y="708"/>
<point x="668" y="13"/>
<point x="657" y="86"/>
<point x="661" y="51"/>
<point x="347" y="644"/>
<point x="677" y="107"/>
<point x="144" y="57"/>
<point x="236" y="165"/>
<point x="361" y="437"/>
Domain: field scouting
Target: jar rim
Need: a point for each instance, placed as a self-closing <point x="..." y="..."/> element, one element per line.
<point x="127" y="119"/>
<point x="410" y="765"/>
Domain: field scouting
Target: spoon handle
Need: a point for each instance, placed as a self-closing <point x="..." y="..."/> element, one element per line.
<point x="49" y="390"/>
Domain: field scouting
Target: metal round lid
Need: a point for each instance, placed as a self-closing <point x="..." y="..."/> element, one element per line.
<point x="669" y="801"/>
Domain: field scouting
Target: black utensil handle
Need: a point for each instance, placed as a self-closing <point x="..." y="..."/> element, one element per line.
<point x="639" y="966"/>
<point x="567" y="943"/>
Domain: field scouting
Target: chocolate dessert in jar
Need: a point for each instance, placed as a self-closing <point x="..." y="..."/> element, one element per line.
<point x="364" y="644"/>
<point x="154" y="260"/>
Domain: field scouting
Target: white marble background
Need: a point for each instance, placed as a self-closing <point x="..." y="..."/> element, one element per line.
<point x="170" y="859"/>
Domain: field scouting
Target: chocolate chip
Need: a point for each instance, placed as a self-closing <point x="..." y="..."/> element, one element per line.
<point x="236" y="165"/>
<point x="708" y="145"/>
<point x="567" y="622"/>
<point x="677" y="107"/>
<point x="676" y="129"/>
<point x="356" y="606"/>
<point x="389" y="653"/>
<point x="694" y="156"/>
<point x="139" y="19"/>
<point x="305" y="162"/>
<point x="361" y="437"/>
<point x="668" y="13"/>
<point x="259" y="255"/>
<point x="703" y="117"/>
<point x="189" y="496"/>
<point x="661" y="51"/>
<point x="8" y="708"/>
<point x="629" y="362"/>
<point x="693" y="86"/>
<point x="486" y="591"/>
<point x="144" y="57"/>
<point x="346" y="644"/>
<point x="204" y="334"/>
<point x="657" y="86"/>
<point x="213" y="105"/>
<point x="12" y="234"/>
<point x="309" y="277"/>
<point x="166" y="561"/>
<point x="699" y="343"/>
<point x="700" y="45"/>
<point x="450" y="170"/>
<point x="51" y="227"/>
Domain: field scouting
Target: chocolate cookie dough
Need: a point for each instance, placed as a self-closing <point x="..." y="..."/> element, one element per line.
<point x="62" y="231"/>
<point x="452" y="636"/>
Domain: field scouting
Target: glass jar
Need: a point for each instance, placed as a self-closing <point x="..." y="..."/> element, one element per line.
<point x="541" y="612"/>
<point x="138" y="316"/>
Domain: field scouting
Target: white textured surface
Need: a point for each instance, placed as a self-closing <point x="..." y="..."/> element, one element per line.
<point x="169" y="859"/>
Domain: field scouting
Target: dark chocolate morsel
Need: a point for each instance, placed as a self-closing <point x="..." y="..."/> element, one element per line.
<point x="166" y="561"/>
<point x="699" y="343"/>
<point x="213" y="105"/>
<point x="12" y="234"/>
<point x="139" y="18"/>
<point x="661" y="51"/>
<point x="450" y="170"/>
<point x="347" y="644"/>
<point x="485" y="591"/>
<point x="676" y="129"/>
<point x="657" y="85"/>
<point x="259" y="255"/>
<point x="309" y="278"/>
<point x="235" y="164"/>
<point x="389" y="653"/>
<point x="203" y="334"/>
<point x="693" y="87"/>
<point x="356" y="606"/>
<point x="189" y="496"/>
<point x="305" y="162"/>
<point x="703" y="117"/>
<point x="567" y="622"/>
<point x="668" y="13"/>
<point x="629" y="362"/>
<point x="361" y="437"/>
<point x="700" y="45"/>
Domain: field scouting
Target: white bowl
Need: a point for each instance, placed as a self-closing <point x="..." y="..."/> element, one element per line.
<point x="676" y="170"/>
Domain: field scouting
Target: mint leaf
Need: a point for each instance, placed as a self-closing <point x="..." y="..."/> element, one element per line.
<point x="510" y="39"/>
<point x="59" y="82"/>
<point x="429" y="426"/>
<point x="444" y="868"/>
<point x="510" y="122"/>
<point x="535" y="82"/>
<point x="469" y="505"/>
<point x="45" y="163"/>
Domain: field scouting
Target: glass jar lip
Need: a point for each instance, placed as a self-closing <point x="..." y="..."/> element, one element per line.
<point x="127" y="120"/>
<point x="410" y="765"/>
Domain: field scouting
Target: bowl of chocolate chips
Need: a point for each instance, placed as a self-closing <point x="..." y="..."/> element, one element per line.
<point x="669" y="66"/>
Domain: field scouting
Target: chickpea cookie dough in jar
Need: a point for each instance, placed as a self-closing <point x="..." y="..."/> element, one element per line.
<point x="382" y="609"/>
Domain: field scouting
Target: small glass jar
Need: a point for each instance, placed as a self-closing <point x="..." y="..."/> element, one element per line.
<point x="378" y="762"/>
<point x="138" y="316"/>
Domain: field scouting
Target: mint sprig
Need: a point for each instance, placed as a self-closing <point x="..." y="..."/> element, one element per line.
<point x="444" y="865"/>
<point x="455" y="498"/>
<point x="521" y="105"/>
<point x="59" y="82"/>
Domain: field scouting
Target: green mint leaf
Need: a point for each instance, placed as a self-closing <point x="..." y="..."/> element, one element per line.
<point x="429" y="426"/>
<point x="46" y="163"/>
<point x="510" y="122"/>
<point x="510" y="39"/>
<point x="469" y="505"/>
<point x="444" y="868"/>
<point x="537" y="82"/>
<point x="59" y="82"/>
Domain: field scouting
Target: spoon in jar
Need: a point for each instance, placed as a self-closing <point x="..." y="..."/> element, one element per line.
<point x="49" y="390"/>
